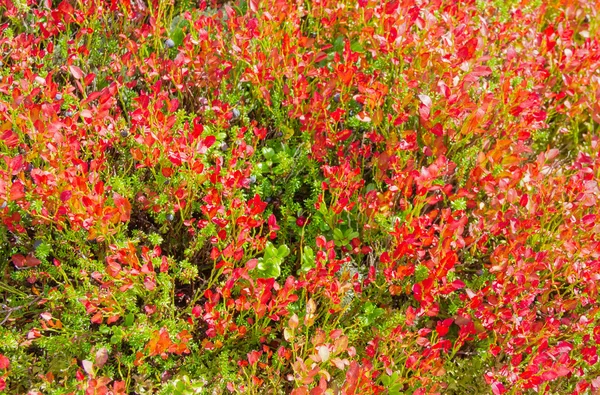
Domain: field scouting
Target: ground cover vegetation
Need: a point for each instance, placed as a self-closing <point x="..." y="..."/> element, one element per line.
<point x="306" y="197"/>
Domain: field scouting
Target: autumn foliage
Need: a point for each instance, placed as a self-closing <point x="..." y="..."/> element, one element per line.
<point x="305" y="197"/>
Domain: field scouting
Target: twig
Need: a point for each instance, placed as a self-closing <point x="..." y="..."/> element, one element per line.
<point x="10" y="310"/>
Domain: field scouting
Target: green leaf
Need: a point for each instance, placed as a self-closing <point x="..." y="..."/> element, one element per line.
<point x="180" y="387"/>
<point x="269" y="268"/>
<point x="338" y="44"/>
<point x="268" y="153"/>
<point x="129" y="318"/>
<point x="350" y="234"/>
<point x="371" y="313"/>
<point x="356" y="47"/>
<point x="283" y="251"/>
<point x="270" y="250"/>
<point x="323" y="209"/>
<point x="176" y="32"/>
<point x="308" y="259"/>
<point x="323" y="227"/>
<point x="338" y="235"/>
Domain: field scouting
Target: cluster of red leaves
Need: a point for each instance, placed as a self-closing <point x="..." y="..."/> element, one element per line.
<point x="451" y="99"/>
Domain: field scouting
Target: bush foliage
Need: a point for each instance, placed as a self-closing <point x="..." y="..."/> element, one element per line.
<point x="306" y="197"/>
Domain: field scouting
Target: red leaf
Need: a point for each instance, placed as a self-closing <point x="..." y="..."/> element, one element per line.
<point x="10" y="138"/>
<point x="254" y="5"/>
<point x="391" y="6"/>
<point x="351" y="378"/>
<point x="4" y="362"/>
<point x="150" y="309"/>
<point x="65" y="8"/>
<point x="321" y="56"/>
<point x="321" y="241"/>
<point x="589" y="219"/>
<point x="344" y="135"/>
<point x="101" y="357"/>
<point x="167" y="171"/>
<point x="261" y="133"/>
<point x="524" y="200"/>
<point x="87" y="202"/>
<point x="551" y="154"/>
<point x="256" y="205"/>
<point x="198" y="128"/>
<point x="230" y="12"/>
<point x="173" y="105"/>
<point x="93" y="96"/>
<point x="123" y="205"/>
<point x="498" y="388"/>
<point x="345" y="73"/>
<point x="21" y="261"/>
<point x="467" y="51"/>
<point x="438" y="130"/>
<point x="88" y="366"/>
<point x="209" y="141"/>
<point x="253" y="357"/>
<point x="99" y="188"/>
<point x="251" y="264"/>
<point x="96" y="318"/>
<point x="164" y="265"/>
<point x="562" y="370"/>
<point x="18" y="260"/>
<point x="197" y="311"/>
<point x="65" y="195"/>
<point x="17" y="191"/>
<point x="426" y="100"/>
<point x="300" y="391"/>
<point x="76" y="72"/>
<point x="442" y="327"/>
<point x="149" y="283"/>
<point x="549" y="376"/>
<point x="411" y="314"/>
<point x="457" y="284"/>
<point x="119" y="388"/>
<point x="272" y="221"/>
<point x="89" y="78"/>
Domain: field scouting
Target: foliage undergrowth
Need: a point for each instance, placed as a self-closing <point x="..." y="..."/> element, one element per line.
<point x="306" y="197"/>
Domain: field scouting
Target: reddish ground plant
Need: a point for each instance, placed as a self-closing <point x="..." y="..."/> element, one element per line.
<point x="322" y="197"/>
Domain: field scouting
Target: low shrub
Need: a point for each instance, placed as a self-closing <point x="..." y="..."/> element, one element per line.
<point x="299" y="197"/>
